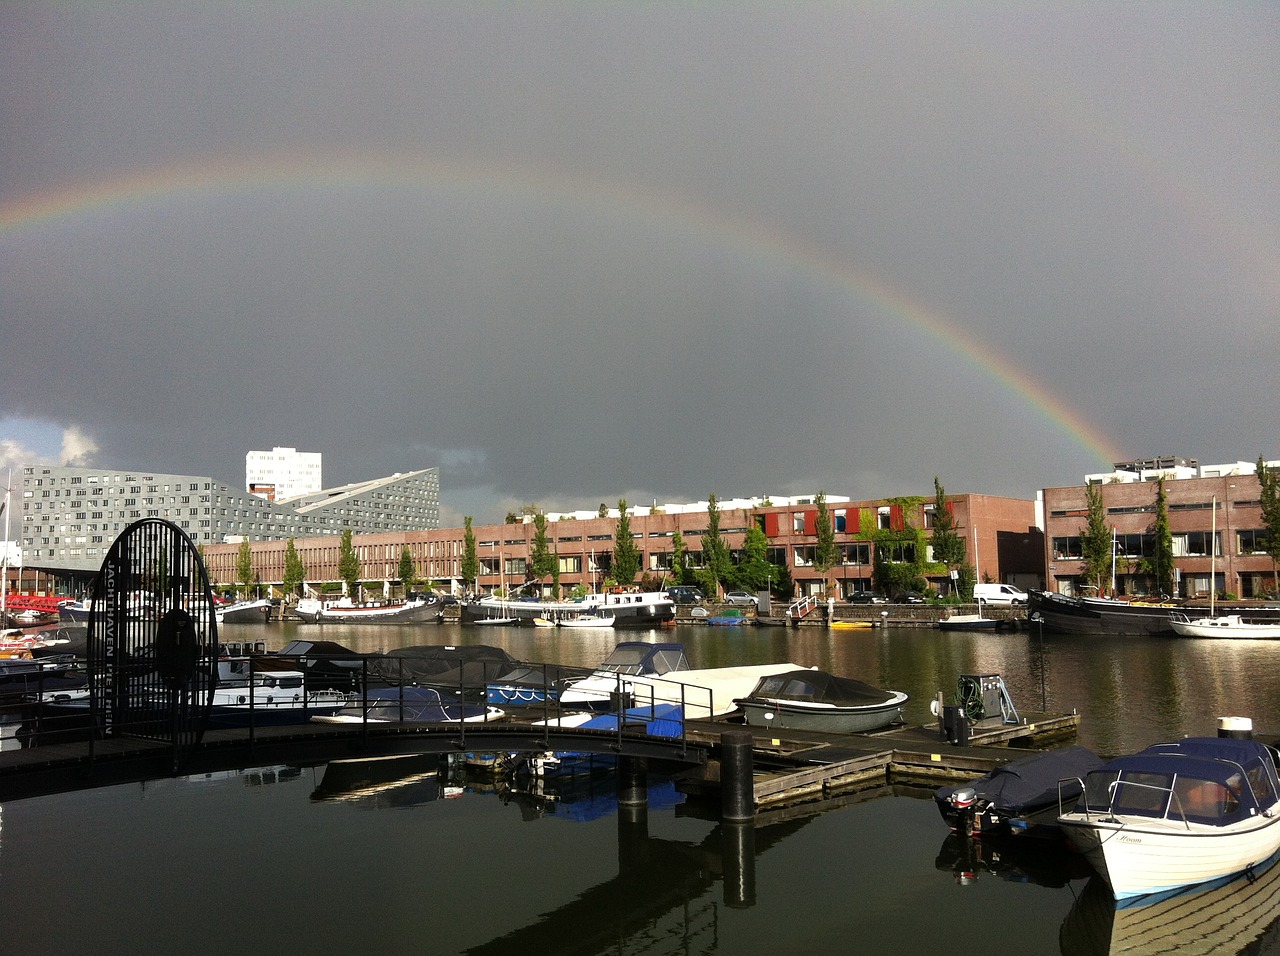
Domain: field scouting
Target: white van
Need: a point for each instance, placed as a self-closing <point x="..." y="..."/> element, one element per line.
<point x="1000" y="595"/>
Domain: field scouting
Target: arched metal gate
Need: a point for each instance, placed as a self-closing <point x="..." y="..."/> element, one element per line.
<point x="153" y="639"/>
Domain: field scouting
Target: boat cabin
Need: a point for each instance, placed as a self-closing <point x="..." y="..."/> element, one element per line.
<point x="641" y="657"/>
<point x="1198" y="780"/>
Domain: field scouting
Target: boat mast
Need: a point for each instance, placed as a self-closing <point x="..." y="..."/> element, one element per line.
<point x="1113" y="560"/>
<point x="1213" y="554"/>
<point x="4" y="580"/>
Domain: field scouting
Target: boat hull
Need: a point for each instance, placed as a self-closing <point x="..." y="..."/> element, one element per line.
<point x="413" y="612"/>
<point x="637" y="609"/>
<point x="1164" y="856"/>
<point x="245" y="612"/>
<point x="1231" y="626"/>
<point x="1061" y="614"/>
<point x="796" y="715"/>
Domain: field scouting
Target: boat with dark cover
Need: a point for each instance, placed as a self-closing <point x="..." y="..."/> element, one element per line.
<point x="816" y="700"/>
<point x="1019" y="796"/>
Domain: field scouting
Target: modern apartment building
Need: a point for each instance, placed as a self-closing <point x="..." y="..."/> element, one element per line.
<point x="71" y="516"/>
<point x="282" y="473"/>
<point x="1214" y="514"/>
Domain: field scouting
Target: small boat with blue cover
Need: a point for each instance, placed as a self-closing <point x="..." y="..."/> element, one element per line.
<point x="1195" y="811"/>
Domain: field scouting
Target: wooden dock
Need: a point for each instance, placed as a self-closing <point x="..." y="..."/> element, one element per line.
<point x="795" y="765"/>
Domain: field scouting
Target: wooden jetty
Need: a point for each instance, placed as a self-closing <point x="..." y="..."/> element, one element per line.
<point x="796" y="765"/>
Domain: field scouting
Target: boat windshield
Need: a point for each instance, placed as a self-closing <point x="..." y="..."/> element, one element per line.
<point x="1161" y="795"/>
<point x="644" y="659"/>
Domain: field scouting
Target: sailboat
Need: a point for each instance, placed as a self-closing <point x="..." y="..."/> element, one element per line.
<point x="1224" y="625"/>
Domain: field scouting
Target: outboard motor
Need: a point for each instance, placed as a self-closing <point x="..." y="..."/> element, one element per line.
<point x="963" y="801"/>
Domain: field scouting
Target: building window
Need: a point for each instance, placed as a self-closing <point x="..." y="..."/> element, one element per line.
<point x="1067" y="547"/>
<point x="1252" y="541"/>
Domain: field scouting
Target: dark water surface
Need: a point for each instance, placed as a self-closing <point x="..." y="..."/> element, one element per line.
<point x="267" y="859"/>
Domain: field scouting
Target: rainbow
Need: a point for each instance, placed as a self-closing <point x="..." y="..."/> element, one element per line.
<point x="125" y="194"/>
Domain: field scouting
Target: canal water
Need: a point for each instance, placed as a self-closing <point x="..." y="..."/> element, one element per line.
<point x="285" y="858"/>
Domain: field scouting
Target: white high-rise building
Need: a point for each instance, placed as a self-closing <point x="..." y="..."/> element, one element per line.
<point x="282" y="473"/>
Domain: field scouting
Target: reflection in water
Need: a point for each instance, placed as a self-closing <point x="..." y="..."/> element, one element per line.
<point x="374" y="783"/>
<point x="1015" y="859"/>
<point x="657" y="901"/>
<point x="1243" y="915"/>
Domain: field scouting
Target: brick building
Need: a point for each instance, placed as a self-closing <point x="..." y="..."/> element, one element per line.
<point x="1007" y="544"/>
<point x="1215" y="518"/>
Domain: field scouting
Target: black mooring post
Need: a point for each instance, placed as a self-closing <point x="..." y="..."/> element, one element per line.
<point x="737" y="797"/>
<point x="633" y="783"/>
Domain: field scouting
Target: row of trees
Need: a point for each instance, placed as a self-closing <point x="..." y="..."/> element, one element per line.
<point x="752" y="570"/>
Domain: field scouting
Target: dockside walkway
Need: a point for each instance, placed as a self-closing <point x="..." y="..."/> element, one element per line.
<point x="789" y="765"/>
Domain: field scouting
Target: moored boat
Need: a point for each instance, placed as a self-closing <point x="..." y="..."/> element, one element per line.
<point x="1063" y="614"/>
<point x="1225" y="625"/>
<point x="628" y="606"/>
<point x="974" y="622"/>
<point x="1175" y="815"/>
<point x="345" y="611"/>
<point x="816" y="700"/>
<point x="588" y="620"/>
<point x="640" y="673"/>
<point x="245" y="612"/>
<point x="1018" y="797"/>
<point x="404" y="704"/>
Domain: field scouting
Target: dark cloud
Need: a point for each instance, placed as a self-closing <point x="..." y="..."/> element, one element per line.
<point x="575" y="253"/>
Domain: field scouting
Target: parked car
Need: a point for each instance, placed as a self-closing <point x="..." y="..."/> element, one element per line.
<point x="739" y="597"/>
<point x="867" y="597"/>
<point x="683" y="594"/>
<point x="909" y="597"/>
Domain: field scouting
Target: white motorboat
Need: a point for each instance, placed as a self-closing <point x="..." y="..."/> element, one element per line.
<point x="345" y="611"/>
<point x="587" y="620"/>
<point x="1225" y="625"/>
<point x="1179" y="814"/>
<point x="644" y="674"/>
<point x="628" y="606"/>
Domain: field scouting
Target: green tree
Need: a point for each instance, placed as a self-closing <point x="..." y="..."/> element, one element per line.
<point x="407" y="572"/>
<point x="754" y="572"/>
<point x="244" y="565"/>
<point x="349" y="565"/>
<point x="602" y="511"/>
<point x="541" y="561"/>
<point x="948" y="546"/>
<point x="1095" y="540"/>
<point x="1159" y="566"/>
<point x="1269" y="496"/>
<point x="824" y="551"/>
<point x="715" y="554"/>
<point x="470" y="565"/>
<point x="679" y="559"/>
<point x="626" y="556"/>
<point x="295" y="572"/>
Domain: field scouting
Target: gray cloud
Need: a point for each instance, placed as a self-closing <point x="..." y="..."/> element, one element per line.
<point x="574" y="253"/>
